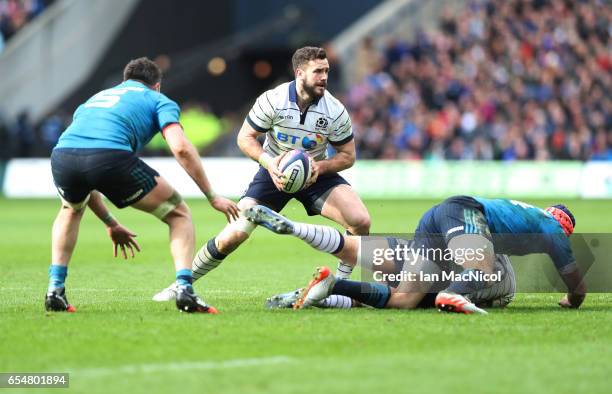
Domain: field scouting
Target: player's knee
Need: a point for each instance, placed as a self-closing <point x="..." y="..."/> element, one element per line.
<point x="183" y="209"/>
<point x="71" y="207"/>
<point x="172" y="209"/>
<point x="236" y="232"/>
<point x="228" y="241"/>
<point x="360" y="224"/>
<point x="72" y="212"/>
<point x="246" y="203"/>
<point x="178" y="217"/>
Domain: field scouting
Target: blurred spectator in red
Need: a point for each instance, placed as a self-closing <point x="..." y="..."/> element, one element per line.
<point x="14" y="14"/>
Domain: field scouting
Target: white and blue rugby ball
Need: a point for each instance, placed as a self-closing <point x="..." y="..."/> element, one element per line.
<point x="295" y="167"/>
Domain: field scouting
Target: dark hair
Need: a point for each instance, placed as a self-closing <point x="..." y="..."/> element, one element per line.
<point x="306" y="54"/>
<point x="567" y="211"/>
<point x="144" y="70"/>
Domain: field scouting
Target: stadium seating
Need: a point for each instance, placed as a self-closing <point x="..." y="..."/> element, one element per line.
<point x="496" y="80"/>
<point x="507" y="80"/>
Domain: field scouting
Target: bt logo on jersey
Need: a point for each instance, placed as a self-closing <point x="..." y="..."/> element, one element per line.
<point x="282" y="137"/>
<point x="307" y="143"/>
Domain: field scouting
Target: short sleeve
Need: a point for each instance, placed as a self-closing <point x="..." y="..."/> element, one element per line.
<point x="342" y="129"/>
<point x="166" y="112"/>
<point x="262" y="114"/>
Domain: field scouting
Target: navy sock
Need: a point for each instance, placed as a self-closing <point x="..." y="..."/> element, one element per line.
<point x="468" y="283"/>
<point x="212" y="249"/>
<point x="373" y="294"/>
<point x="183" y="277"/>
<point x="57" y="276"/>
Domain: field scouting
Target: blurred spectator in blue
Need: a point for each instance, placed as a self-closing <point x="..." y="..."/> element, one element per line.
<point x="50" y="131"/>
<point x="24" y="136"/>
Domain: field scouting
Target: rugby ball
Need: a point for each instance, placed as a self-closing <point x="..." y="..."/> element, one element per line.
<point x="295" y="167"/>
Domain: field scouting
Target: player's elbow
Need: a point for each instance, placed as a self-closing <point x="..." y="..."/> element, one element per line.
<point x="245" y="141"/>
<point x="348" y="160"/>
<point x="182" y="149"/>
<point x="241" y="141"/>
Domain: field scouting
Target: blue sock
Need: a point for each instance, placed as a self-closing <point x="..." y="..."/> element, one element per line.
<point x="373" y="294"/>
<point x="469" y="282"/>
<point x="183" y="277"/>
<point x="57" y="276"/>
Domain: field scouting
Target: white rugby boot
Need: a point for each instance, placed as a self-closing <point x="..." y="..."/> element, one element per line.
<point x="319" y="287"/>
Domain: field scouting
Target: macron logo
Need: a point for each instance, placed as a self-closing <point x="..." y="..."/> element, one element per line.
<point x="133" y="196"/>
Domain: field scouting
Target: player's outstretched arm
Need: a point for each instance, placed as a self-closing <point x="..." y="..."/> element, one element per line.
<point x="576" y="289"/>
<point x="188" y="157"/>
<point x="248" y="144"/>
<point x="121" y="237"/>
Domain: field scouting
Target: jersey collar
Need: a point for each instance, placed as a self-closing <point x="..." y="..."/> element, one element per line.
<point x="133" y="82"/>
<point x="293" y="94"/>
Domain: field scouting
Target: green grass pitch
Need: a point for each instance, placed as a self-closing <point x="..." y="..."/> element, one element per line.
<point x="120" y="341"/>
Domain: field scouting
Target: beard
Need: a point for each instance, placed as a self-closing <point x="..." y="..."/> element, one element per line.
<point x="311" y="89"/>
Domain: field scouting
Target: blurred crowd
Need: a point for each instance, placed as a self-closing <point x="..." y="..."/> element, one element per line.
<point x="14" y="14"/>
<point x="499" y="80"/>
<point x="503" y="80"/>
<point x="21" y="137"/>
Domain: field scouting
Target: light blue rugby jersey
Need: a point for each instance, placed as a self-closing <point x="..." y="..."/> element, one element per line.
<point x="124" y="117"/>
<point x="534" y="229"/>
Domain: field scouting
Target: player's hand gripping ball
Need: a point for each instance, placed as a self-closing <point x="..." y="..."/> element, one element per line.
<point x="296" y="169"/>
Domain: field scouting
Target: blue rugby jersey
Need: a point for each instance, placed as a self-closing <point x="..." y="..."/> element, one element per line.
<point x="124" y="117"/>
<point x="526" y="229"/>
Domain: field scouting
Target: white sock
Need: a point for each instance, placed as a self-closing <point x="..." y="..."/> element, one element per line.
<point x="323" y="238"/>
<point x="336" y="301"/>
<point x="343" y="271"/>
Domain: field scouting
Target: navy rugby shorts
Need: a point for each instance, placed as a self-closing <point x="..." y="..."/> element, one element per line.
<point x="454" y="216"/>
<point x="118" y="174"/>
<point x="262" y="189"/>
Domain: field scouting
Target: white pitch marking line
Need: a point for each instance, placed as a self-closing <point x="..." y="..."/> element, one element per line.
<point x="179" y="366"/>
